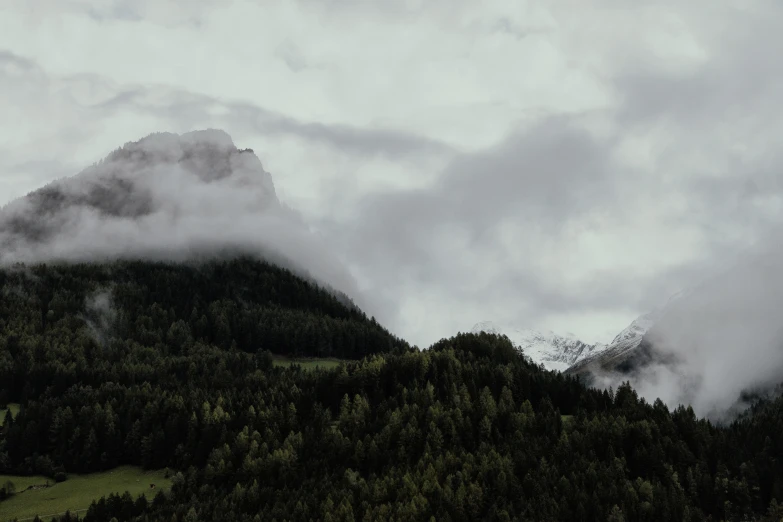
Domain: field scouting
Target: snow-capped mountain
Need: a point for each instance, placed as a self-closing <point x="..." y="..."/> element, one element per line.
<point x="625" y="344"/>
<point x="555" y="352"/>
<point x="566" y="353"/>
<point x="626" y="341"/>
<point x="631" y="336"/>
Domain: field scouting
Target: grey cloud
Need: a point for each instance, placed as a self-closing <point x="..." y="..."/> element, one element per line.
<point x="192" y="109"/>
<point x="740" y="75"/>
<point x="124" y="98"/>
<point x="722" y="339"/>
<point x="551" y="173"/>
<point x="346" y="138"/>
<point x="507" y="26"/>
<point x="184" y="107"/>
<point x="115" y="11"/>
<point x="538" y="181"/>
<point x="7" y="58"/>
<point x="353" y="140"/>
<point x="543" y="176"/>
<point x="25" y="85"/>
<point x="724" y="117"/>
<point x="290" y="53"/>
<point x="728" y="97"/>
<point x="137" y="10"/>
<point x="719" y="124"/>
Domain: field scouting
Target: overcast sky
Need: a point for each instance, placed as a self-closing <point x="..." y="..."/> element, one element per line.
<point x="561" y="165"/>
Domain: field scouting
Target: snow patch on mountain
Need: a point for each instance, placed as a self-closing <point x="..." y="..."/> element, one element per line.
<point x="487" y="327"/>
<point x="555" y="352"/>
<point x="630" y="338"/>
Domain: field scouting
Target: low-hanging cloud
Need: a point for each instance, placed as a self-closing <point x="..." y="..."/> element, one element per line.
<point x="166" y="196"/>
<point x="725" y="338"/>
<point x="715" y="126"/>
<point x="100" y="315"/>
<point x="718" y="345"/>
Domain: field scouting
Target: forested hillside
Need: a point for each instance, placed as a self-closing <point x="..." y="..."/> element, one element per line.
<point x="170" y="365"/>
<point x="85" y="324"/>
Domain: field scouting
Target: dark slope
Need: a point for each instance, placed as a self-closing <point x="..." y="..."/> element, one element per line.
<point x="469" y="430"/>
<point x="68" y="314"/>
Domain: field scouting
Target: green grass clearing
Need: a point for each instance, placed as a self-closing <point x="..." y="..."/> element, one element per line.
<point x="307" y="364"/>
<point x="77" y="492"/>
<point x="13" y="408"/>
<point x="22" y="483"/>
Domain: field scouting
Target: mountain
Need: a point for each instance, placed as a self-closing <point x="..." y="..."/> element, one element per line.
<point x="717" y="346"/>
<point x="169" y="197"/>
<point x="631" y="347"/>
<point x="261" y="396"/>
<point x="568" y="354"/>
<point x="555" y="352"/>
<point x="622" y="346"/>
<point x="158" y="175"/>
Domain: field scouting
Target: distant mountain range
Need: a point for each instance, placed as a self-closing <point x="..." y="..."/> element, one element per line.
<point x="566" y="353"/>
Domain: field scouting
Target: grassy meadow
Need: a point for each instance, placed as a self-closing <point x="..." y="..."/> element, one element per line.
<point x="308" y="364"/>
<point x="77" y="492"/>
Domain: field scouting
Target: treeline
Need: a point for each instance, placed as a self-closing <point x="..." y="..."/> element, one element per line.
<point x="468" y="430"/>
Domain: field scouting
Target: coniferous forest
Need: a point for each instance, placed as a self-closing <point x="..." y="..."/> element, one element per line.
<point x="166" y="365"/>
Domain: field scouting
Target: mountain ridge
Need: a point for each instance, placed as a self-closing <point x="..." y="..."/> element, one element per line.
<point x="568" y="354"/>
<point x="136" y="182"/>
<point x="554" y="351"/>
<point x="170" y="197"/>
<point x="632" y="345"/>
